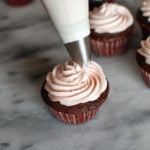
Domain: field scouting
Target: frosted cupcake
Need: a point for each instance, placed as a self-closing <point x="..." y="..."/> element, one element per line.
<point x="73" y="94"/>
<point x="111" y="28"/>
<point x="143" y="17"/>
<point x="143" y="60"/>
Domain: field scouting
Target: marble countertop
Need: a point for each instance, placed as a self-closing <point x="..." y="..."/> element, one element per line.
<point x="29" y="48"/>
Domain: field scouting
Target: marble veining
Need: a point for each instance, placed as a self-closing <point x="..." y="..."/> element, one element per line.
<point x="29" y="48"/>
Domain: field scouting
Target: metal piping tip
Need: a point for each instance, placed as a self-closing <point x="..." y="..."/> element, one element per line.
<point x="79" y="51"/>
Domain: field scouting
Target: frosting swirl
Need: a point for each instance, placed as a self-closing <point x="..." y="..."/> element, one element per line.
<point x="145" y="8"/>
<point x="110" y="18"/>
<point x="145" y="50"/>
<point x="70" y="84"/>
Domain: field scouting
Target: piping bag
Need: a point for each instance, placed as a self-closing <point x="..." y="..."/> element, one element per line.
<point x="71" y="19"/>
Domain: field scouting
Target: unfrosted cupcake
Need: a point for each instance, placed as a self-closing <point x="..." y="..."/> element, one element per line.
<point x="143" y="17"/>
<point x="73" y="94"/>
<point x="111" y="28"/>
<point x="143" y="60"/>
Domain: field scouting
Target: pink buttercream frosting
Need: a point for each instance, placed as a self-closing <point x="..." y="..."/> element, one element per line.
<point x="145" y="8"/>
<point x="110" y="18"/>
<point x="70" y="84"/>
<point x="145" y="49"/>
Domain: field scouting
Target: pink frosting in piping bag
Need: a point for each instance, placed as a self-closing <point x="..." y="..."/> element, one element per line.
<point x="70" y="84"/>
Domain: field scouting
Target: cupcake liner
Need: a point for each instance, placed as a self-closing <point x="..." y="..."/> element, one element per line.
<point x="107" y="44"/>
<point x="146" y="76"/>
<point x="74" y="118"/>
<point x="108" y="47"/>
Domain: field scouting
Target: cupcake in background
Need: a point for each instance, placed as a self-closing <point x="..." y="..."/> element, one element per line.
<point x="18" y="2"/>
<point x="110" y="1"/>
<point x="74" y="94"/>
<point x="143" y="17"/>
<point x="111" y="28"/>
<point x="143" y="60"/>
<point x="97" y="3"/>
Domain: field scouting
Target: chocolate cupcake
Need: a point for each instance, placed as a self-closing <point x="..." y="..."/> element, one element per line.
<point x="73" y="94"/>
<point x="143" y="17"/>
<point x="111" y="29"/>
<point x="95" y="3"/>
<point x="143" y="60"/>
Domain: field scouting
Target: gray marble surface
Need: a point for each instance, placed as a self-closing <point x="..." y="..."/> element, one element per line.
<point x="29" y="48"/>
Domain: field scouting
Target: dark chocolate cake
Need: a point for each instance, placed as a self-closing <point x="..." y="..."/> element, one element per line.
<point x="82" y="107"/>
<point x="144" y="24"/>
<point x="103" y="36"/>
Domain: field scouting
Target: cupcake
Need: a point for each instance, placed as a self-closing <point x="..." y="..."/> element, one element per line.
<point x="111" y="28"/>
<point x="110" y="1"/>
<point x="143" y="17"/>
<point x="95" y="3"/>
<point x="74" y="94"/>
<point x="143" y="60"/>
<point x="18" y="2"/>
